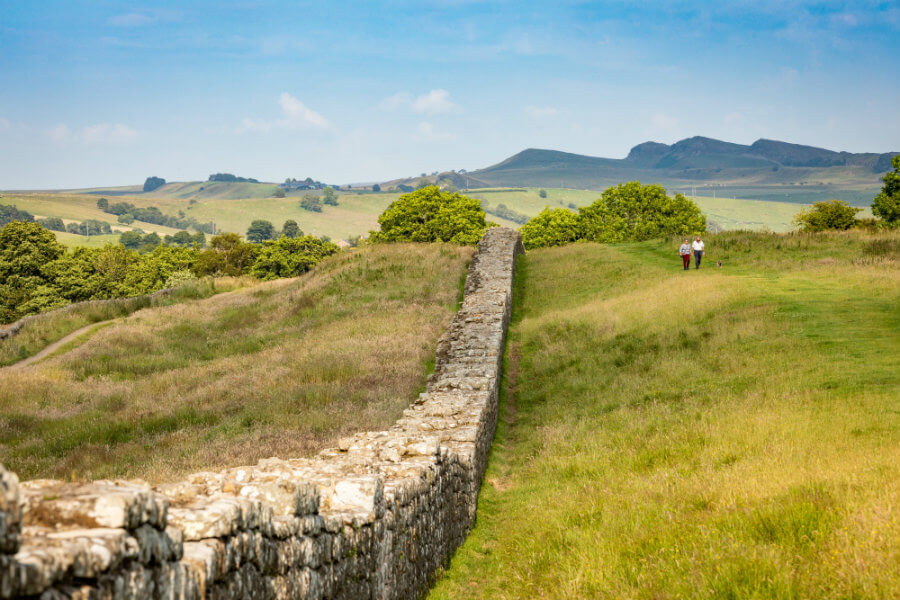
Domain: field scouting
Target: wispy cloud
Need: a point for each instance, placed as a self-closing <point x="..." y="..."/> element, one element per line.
<point x="294" y="115"/>
<point x="434" y="102"/>
<point x="132" y="20"/>
<point x="540" y="111"/>
<point x="98" y="134"/>
<point x="426" y="131"/>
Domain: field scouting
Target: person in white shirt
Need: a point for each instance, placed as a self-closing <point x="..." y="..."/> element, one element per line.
<point x="698" y="251"/>
<point x="685" y="251"/>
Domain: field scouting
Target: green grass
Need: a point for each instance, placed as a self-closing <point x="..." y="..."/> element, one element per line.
<point x="283" y="368"/>
<point x="44" y="329"/>
<point x="721" y="433"/>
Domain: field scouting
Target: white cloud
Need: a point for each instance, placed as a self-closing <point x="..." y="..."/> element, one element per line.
<point x="664" y="121"/>
<point x="434" y="102"/>
<point x="101" y="133"/>
<point x="131" y="20"/>
<point x="425" y="131"/>
<point x="540" y="111"/>
<point x="294" y="115"/>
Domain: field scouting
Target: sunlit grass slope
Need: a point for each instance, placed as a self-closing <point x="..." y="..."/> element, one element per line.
<point x="721" y="433"/>
<point x="282" y="368"/>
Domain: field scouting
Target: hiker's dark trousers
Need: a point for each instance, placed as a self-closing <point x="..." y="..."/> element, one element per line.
<point x="686" y="259"/>
<point x="698" y="254"/>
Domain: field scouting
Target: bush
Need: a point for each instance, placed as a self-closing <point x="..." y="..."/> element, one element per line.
<point x="179" y="278"/>
<point x="542" y="193"/>
<point x="227" y="255"/>
<point x="329" y="196"/>
<point x="53" y="223"/>
<point x="290" y="257"/>
<point x="886" y="205"/>
<point x="376" y="188"/>
<point x="827" y="215"/>
<point x="103" y="203"/>
<point x="429" y="215"/>
<point x="551" y="227"/>
<point x="125" y="219"/>
<point x="311" y="203"/>
<point x="278" y="193"/>
<point x="632" y="212"/>
<point x="291" y="229"/>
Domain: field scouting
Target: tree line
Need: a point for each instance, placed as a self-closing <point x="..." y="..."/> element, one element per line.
<point x="128" y="213"/>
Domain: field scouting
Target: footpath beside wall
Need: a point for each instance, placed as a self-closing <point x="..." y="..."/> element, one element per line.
<point x="373" y="518"/>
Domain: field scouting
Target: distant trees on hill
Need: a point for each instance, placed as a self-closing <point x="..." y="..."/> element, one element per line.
<point x="329" y="196"/>
<point x="430" y="215"/>
<point x="302" y="184"/>
<point x="291" y="229"/>
<point x="89" y="227"/>
<point x="376" y="188"/>
<point x="229" y="178"/>
<point x="52" y="223"/>
<point x="128" y="213"/>
<point x="311" y="203"/>
<point x="261" y="230"/>
<point x="152" y="183"/>
<point x="502" y="211"/>
<point x="10" y="213"/>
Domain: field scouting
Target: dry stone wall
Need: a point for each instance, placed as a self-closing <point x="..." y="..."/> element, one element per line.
<point x="372" y="518"/>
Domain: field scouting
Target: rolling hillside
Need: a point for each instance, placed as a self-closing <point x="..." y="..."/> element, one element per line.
<point x="764" y="170"/>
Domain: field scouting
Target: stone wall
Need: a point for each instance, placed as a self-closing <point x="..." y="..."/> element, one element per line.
<point x="372" y="518"/>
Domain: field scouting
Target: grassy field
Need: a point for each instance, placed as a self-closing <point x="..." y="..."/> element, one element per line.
<point x="282" y="368"/>
<point x="46" y="328"/>
<point x="717" y="433"/>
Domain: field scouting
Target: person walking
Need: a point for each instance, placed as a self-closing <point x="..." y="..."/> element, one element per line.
<point x="698" y="247"/>
<point x="685" y="252"/>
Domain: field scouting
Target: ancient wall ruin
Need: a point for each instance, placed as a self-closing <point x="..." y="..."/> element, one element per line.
<point x="373" y="518"/>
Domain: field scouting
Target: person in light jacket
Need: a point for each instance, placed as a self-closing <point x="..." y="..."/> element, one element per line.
<point x="698" y="251"/>
<point x="685" y="252"/>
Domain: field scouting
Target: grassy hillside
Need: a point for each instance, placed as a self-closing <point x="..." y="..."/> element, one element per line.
<point x="721" y="433"/>
<point x="282" y="368"/>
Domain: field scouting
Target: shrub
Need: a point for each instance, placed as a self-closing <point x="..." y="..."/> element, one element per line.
<point x="227" y="255"/>
<point x="886" y="205"/>
<point x="827" y="215"/>
<point x="376" y="188"/>
<point x="329" y="196"/>
<point x="179" y="278"/>
<point x="551" y="227"/>
<point x="290" y="257"/>
<point x="103" y="203"/>
<point x="311" y="203"/>
<point x="278" y="193"/>
<point x="125" y="219"/>
<point x="542" y="193"/>
<point x="429" y="215"/>
<point x="291" y="229"/>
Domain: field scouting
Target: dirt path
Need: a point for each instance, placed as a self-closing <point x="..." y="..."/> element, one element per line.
<point x="50" y="349"/>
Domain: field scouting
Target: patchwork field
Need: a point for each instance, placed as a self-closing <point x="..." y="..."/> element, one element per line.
<point x="725" y="432"/>
<point x="281" y="368"/>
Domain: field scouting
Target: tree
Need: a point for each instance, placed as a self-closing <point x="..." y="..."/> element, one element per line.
<point x="131" y="240"/>
<point x="53" y="223"/>
<point x="228" y="254"/>
<point x="329" y="196"/>
<point x="635" y="212"/>
<point x="278" y="193"/>
<point x="290" y="229"/>
<point x="886" y="205"/>
<point x="376" y="188"/>
<point x="311" y="203"/>
<point x="827" y="215"/>
<point x="198" y="240"/>
<point x="25" y="249"/>
<point x="289" y="257"/>
<point x="551" y="227"/>
<point x="8" y="214"/>
<point x="103" y="203"/>
<point x="260" y="230"/>
<point x="542" y="193"/>
<point x="429" y="215"/>
<point x="182" y="239"/>
<point x="152" y="183"/>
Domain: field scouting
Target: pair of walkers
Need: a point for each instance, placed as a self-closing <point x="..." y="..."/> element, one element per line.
<point x="687" y="248"/>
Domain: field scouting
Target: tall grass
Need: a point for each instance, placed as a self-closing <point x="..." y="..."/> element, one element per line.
<point x="282" y="368"/>
<point x="43" y="329"/>
<point x="721" y="433"/>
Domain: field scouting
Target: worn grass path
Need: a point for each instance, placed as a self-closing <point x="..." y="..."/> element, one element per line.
<point x="78" y="335"/>
<point x="721" y="433"/>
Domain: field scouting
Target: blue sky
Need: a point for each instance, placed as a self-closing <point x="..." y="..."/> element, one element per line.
<point x="107" y="93"/>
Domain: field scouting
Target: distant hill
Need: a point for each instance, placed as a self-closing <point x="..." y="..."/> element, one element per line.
<point x="766" y="169"/>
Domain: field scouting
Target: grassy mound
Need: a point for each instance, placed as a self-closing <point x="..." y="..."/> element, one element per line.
<point x="721" y="433"/>
<point x="282" y="368"/>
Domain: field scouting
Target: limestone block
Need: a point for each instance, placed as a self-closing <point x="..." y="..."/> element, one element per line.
<point x="116" y="504"/>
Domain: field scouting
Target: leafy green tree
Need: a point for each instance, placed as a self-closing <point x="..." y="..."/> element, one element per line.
<point x="376" y="188"/>
<point x="550" y="227"/>
<point x="25" y="249"/>
<point x="152" y="183"/>
<point x="329" y="196"/>
<point x="228" y="254"/>
<point x="182" y="239"/>
<point x="827" y="215"/>
<point x="103" y="203"/>
<point x="635" y="212"/>
<point x="278" y="193"/>
<point x="429" y="215"/>
<point x="131" y="240"/>
<point x="289" y="257"/>
<point x="291" y="229"/>
<point x="74" y="228"/>
<point x="311" y="203"/>
<point x="52" y="223"/>
<point x="886" y="205"/>
<point x="260" y="230"/>
<point x="198" y="240"/>
<point x="8" y="214"/>
<point x="125" y="219"/>
<point x="542" y="193"/>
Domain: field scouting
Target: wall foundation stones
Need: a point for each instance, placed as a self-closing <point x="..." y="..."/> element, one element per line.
<point x="373" y="518"/>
